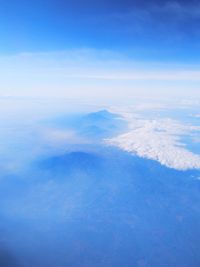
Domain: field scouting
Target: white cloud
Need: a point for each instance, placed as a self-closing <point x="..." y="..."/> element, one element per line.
<point x="158" y="140"/>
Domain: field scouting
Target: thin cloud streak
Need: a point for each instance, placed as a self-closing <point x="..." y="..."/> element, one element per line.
<point x="85" y="69"/>
<point x="94" y="65"/>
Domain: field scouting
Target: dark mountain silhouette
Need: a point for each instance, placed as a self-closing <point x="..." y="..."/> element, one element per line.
<point x="93" y="125"/>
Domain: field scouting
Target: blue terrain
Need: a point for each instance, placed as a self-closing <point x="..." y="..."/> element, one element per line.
<point x="97" y="206"/>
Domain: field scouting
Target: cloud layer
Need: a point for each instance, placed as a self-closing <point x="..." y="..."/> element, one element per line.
<point x="93" y="74"/>
<point x="158" y="140"/>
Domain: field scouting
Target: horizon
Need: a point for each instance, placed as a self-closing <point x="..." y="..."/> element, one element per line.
<point x="67" y="48"/>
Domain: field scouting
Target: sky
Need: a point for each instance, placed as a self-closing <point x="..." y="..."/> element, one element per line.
<point x="87" y="48"/>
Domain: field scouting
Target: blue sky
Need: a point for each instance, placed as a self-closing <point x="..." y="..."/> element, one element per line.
<point x="142" y="29"/>
<point x="146" y="34"/>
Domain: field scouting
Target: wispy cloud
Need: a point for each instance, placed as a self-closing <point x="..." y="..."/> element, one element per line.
<point x="179" y="9"/>
<point x="168" y="22"/>
<point x="164" y="11"/>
